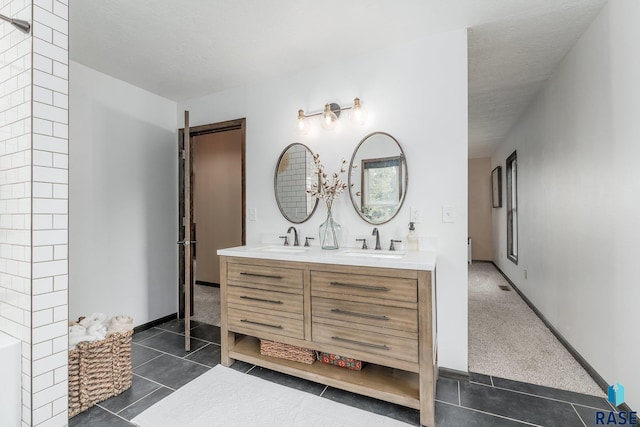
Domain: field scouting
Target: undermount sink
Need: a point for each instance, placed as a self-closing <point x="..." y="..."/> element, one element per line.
<point x="283" y="249"/>
<point x="372" y="253"/>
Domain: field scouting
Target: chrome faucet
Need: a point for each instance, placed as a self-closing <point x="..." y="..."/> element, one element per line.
<point x="364" y="243"/>
<point x="377" y="234"/>
<point x="296" y="242"/>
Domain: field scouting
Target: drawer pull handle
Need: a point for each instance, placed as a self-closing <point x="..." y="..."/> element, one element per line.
<point x="366" y="344"/>
<point x="261" y="324"/>
<point x="353" y="313"/>
<point x="261" y="275"/>
<point x="369" y="287"/>
<point x="260" y="299"/>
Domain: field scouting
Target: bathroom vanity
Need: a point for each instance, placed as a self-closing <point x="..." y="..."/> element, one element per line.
<point x="376" y="306"/>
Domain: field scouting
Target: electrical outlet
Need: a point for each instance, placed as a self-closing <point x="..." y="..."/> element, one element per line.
<point x="415" y="215"/>
<point x="448" y="213"/>
<point x="253" y="214"/>
<point x="525" y="274"/>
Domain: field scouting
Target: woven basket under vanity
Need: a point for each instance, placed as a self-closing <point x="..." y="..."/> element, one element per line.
<point x="287" y="351"/>
<point x="99" y="370"/>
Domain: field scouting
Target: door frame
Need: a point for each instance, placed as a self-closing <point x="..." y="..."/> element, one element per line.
<point x="225" y="126"/>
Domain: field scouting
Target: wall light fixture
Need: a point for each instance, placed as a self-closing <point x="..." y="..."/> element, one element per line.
<point x="331" y="114"/>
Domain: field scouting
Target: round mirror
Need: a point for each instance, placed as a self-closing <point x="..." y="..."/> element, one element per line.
<point x="378" y="178"/>
<point x="293" y="176"/>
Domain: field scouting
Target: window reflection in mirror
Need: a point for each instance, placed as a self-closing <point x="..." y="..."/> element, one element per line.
<point x="294" y="172"/>
<point x="381" y="187"/>
<point x="378" y="178"/>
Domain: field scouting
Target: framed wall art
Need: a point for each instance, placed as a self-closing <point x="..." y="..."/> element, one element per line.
<point x="496" y="187"/>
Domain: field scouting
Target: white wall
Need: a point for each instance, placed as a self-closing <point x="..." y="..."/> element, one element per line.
<point x="123" y="199"/>
<point x="578" y="197"/>
<point x="418" y="93"/>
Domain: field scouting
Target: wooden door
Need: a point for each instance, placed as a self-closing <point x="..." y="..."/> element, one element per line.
<point x="186" y="229"/>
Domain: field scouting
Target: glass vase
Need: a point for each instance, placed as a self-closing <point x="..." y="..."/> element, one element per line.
<point x="330" y="232"/>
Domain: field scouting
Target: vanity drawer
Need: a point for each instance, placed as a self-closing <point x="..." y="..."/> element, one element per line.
<point x="343" y="285"/>
<point x="375" y="316"/>
<point x="269" y="300"/>
<point x="261" y="324"/>
<point x="365" y="341"/>
<point x="265" y="277"/>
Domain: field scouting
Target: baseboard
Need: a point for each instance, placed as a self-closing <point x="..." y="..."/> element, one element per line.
<point x="581" y="360"/>
<point x="453" y="374"/>
<point x="203" y="283"/>
<point x="156" y="322"/>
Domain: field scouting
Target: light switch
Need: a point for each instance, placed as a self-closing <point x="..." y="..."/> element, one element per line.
<point x="253" y="214"/>
<point x="448" y="213"/>
<point x="415" y="215"/>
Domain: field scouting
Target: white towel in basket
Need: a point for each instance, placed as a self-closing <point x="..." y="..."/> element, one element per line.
<point x="120" y="324"/>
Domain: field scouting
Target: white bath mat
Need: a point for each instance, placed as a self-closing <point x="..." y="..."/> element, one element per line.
<point x="225" y="397"/>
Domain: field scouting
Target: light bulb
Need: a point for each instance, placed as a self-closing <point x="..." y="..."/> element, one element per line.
<point x="329" y="118"/>
<point x="358" y="114"/>
<point x="303" y="123"/>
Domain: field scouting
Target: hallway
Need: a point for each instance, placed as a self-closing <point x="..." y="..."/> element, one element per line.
<point x="206" y="302"/>
<point x="508" y="340"/>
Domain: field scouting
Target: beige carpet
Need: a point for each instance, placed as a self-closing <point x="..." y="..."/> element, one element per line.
<point x="206" y="304"/>
<point x="508" y="340"/>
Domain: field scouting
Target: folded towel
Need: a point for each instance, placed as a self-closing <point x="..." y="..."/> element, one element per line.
<point x="77" y="330"/>
<point x="97" y="331"/>
<point x="77" y="334"/>
<point x="120" y="324"/>
<point x="94" y="318"/>
<point x="96" y="327"/>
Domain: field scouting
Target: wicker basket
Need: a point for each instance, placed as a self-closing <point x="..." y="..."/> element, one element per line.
<point x="99" y="370"/>
<point x="287" y="351"/>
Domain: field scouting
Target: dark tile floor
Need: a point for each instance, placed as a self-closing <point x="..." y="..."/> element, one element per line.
<point x="160" y="366"/>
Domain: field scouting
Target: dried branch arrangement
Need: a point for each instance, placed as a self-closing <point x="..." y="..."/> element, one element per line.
<point x="328" y="186"/>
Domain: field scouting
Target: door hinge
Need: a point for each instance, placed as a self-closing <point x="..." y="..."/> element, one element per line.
<point x="183" y="154"/>
<point x="184" y="221"/>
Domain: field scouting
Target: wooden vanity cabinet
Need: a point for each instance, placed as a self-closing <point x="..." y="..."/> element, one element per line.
<point x="382" y="316"/>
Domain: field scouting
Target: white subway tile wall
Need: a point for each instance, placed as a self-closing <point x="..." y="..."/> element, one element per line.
<point x="15" y="184"/>
<point x="50" y="168"/>
<point x="34" y="123"/>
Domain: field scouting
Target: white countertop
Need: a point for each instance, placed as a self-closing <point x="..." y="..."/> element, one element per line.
<point x="423" y="260"/>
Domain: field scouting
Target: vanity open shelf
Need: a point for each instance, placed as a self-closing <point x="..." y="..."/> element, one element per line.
<point x="382" y="315"/>
<point x="381" y="382"/>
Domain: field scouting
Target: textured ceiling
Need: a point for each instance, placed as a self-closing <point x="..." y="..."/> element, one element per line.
<point x="189" y="48"/>
<point x="509" y="61"/>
